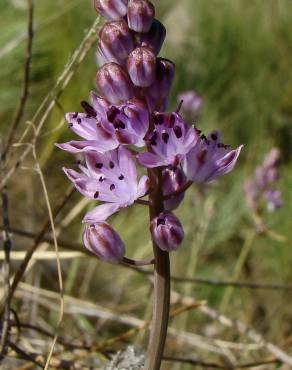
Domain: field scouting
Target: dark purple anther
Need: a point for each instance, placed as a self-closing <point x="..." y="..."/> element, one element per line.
<point x="177" y="131"/>
<point x="114" y="83"/>
<point x="115" y="42"/>
<point x="141" y="66"/>
<point x="163" y="79"/>
<point x="155" y="37"/>
<point x="88" y="109"/>
<point x="167" y="231"/>
<point x="165" y="137"/>
<point x="173" y="179"/>
<point x="112" y="113"/>
<point x="111" y="9"/>
<point x="140" y="15"/>
<point x="102" y="240"/>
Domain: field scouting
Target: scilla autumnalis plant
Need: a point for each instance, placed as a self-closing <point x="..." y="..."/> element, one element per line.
<point x="129" y="111"/>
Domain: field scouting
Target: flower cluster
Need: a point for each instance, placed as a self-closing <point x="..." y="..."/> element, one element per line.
<point x="129" y="111"/>
<point x="262" y="189"/>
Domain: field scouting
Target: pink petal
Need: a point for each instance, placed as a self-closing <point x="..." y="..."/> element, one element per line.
<point x="101" y="213"/>
<point x="99" y="104"/>
<point x="190" y="140"/>
<point x="150" y="160"/>
<point x="86" y="128"/>
<point x="72" y="174"/>
<point x="227" y="163"/>
<point x="99" y="145"/>
<point x="143" y="186"/>
<point x="127" y="164"/>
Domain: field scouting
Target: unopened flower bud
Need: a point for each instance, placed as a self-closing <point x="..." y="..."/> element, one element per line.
<point x="163" y="79"/>
<point x="157" y="104"/>
<point x="111" y="9"/>
<point x="173" y="179"/>
<point x="141" y="66"/>
<point x="155" y="37"/>
<point x="167" y="231"/>
<point x="114" y="83"/>
<point x="140" y="15"/>
<point x="102" y="240"/>
<point x="115" y="42"/>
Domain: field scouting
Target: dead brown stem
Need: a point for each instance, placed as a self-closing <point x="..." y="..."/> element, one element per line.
<point x="22" y="268"/>
<point x="26" y="76"/>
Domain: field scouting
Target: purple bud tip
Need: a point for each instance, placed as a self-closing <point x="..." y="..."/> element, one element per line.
<point x="140" y="15"/>
<point x="141" y="66"/>
<point x="111" y="9"/>
<point x="173" y="180"/>
<point x="114" y="83"/>
<point x="163" y="79"/>
<point x="167" y="231"/>
<point x="102" y="240"/>
<point x="155" y="37"/>
<point x="115" y="42"/>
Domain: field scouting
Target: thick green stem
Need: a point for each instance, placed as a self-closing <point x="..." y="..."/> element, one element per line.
<point x="161" y="284"/>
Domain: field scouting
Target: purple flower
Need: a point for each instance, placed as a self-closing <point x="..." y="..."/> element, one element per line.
<point x="267" y="174"/>
<point x="140" y="15"/>
<point x="110" y="177"/>
<point x="192" y="102"/>
<point x="262" y="188"/>
<point x="161" y="86"/>
<point x="114" y="83"/>
<point x="169" y="142"/>
<point x="173" y="179"/>
<point x="105" y="126"/>
<point x="111" y="9"/>
<point x="167" y="231"/>
<point x="209" y="159"/>
<point x="155" y="37"/>
<point x="141" y="66"/>
<point x="273" y="199"/>
<point x="115" y="42"/>
<point x="102" y="240"/>
<point x="128" y="122"/>
<point x="251" y="195"/>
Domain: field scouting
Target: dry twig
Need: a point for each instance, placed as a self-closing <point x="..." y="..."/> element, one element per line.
<point x="239" y="327"/>
<point x="220" y="283"/>
<point x="50" y="100"/>
<point x="22" y="268"/>
<point x="212" y="365"/>
<point x="7" y="246"/>
<point x="178" y="279"/>
<point x="25" y="84"/>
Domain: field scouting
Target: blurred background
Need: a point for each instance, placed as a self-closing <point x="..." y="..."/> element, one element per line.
<point x="237" y="56"/>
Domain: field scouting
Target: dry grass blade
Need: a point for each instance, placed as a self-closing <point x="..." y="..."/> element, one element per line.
<point x="25" y="84"/>
<point x="50" y="100"/>
<point x="74" y="306"/>
<point x="22" y="268"/>
<point x="7" y="246"/>
<point x="51" y="218"/>
<point x="43" y="255"/>
<point x="211" y="365"/>
<point x="239" y="327"/>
